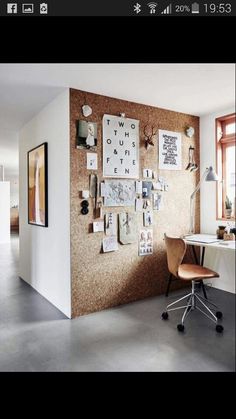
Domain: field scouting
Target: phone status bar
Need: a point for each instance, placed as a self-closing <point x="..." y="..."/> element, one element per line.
<point x="121" y="8"/>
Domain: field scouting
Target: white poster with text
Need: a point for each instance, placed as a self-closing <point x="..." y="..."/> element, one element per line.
<point x="170" y="150"/>
<point x="120" y="147"/>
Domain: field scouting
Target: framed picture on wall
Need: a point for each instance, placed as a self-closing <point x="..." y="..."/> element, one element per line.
<point x="37" y="186"/>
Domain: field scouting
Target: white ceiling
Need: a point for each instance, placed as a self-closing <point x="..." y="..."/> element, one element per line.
<point x="195" y="89"/>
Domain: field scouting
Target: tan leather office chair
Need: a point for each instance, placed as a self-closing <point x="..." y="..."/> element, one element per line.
<point x="176" y="248"/>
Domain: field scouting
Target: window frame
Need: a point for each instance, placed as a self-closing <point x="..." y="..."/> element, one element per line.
<point x="222" y="143"/>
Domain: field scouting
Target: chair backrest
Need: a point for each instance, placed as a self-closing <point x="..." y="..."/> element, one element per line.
<point x="176" y="249"/>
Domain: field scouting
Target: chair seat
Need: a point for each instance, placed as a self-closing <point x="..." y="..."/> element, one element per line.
<point x="189" y="272"/>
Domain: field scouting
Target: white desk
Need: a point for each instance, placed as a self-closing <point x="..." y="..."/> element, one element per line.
<point x="220" y="259"/>
<point x="216" y="244"/>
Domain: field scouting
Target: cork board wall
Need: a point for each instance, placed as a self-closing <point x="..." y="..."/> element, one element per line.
<point x="102" y="280"/>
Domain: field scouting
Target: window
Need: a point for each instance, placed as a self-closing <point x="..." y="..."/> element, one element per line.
<point x="225" y="164"/>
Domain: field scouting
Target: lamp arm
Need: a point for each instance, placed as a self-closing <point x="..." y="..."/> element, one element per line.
<point x="199" y="183"/>
<point x="191" y="227"/>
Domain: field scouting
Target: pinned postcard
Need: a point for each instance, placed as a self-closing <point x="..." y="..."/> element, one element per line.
<point x="145" y="242"/>
<point x="98" y="226"/>
<point x="110" y="244"/>
<point x="92" y="161"/>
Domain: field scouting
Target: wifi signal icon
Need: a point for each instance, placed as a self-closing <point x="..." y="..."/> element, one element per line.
<point x="152" y="6"/>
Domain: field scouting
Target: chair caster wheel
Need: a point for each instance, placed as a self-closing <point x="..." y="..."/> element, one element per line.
<point x="219" y="315"/>
<point x="180" y="327"/>
<point x="219" y="328"/>
<point x="165" y="315"/>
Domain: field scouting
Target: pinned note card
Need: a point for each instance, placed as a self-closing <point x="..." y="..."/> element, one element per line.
<point x="138" y="187"/>
<point x="138" y="204"/>
<point x="92" y="161"/>
<point x="98" y="226"/>
<point x="111" y="224"/>
<point x="110" y="244"/>
<point x="147" y="173"/>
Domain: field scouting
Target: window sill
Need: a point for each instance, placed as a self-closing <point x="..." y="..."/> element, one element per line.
<point x="225" y="219"/>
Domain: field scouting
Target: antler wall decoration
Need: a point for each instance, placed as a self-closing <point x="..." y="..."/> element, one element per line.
<point x="149" y="134"/>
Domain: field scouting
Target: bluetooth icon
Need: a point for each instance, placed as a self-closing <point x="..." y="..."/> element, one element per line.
<point x="137" y="8"/>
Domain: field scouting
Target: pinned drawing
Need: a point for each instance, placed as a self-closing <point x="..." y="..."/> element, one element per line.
<point x="119" y="193"/>
<point x="145" y="242"/>
<point x="127" y="228"/>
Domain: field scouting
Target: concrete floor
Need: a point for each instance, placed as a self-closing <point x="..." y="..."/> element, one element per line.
<point x="35" y="336"/>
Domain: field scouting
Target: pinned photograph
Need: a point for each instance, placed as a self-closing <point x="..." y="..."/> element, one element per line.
<point x="147" y="218"/>
<point x="86" y="136"/>
<point x="156" y="201"/>
<point x="146" y="189"/>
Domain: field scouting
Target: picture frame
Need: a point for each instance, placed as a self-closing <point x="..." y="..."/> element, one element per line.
<point x="37" y="184"/>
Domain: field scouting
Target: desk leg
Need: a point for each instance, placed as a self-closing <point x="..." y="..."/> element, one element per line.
<point x="195" y="255"/>
<point x="203" y="255"/>
<point x="202" y="261"/>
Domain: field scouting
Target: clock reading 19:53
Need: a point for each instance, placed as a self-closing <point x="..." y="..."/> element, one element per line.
<point x="218" y="8"/>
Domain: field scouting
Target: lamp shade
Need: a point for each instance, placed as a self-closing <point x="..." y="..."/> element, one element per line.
<point x="211" y="175"/>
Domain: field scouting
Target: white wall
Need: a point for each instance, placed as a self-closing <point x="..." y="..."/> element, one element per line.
<point x="14" y="189"/>
<point x="45" y="252"/>
<point x="9" y="158"/>
<point x="222" y="261"/>
<point x="4" y="212"/>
